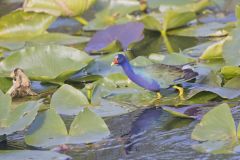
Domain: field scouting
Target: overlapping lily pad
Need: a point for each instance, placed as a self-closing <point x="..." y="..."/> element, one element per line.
<point x="22" y="25"/>
<point x="57" y="8"/>
<point x="46" y="63"/>
<point x="16" y="119"/>
<point x="218" y="129"/>
<point x="115" y="13"/>
<point x="48" y="129"/>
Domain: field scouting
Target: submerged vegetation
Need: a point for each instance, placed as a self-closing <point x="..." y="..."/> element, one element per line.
<point x="65" y="48"/>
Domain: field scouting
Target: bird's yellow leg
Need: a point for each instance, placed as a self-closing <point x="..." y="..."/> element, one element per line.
<point x="181" y="92"/>
<point x="159" y="96"/>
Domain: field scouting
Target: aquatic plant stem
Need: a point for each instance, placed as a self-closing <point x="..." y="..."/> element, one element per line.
<point x="166" y="41"/>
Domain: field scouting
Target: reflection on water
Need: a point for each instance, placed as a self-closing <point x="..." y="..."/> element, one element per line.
<point x="141" y="135"/>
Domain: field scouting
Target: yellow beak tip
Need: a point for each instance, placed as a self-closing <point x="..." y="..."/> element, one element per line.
<point x="112" y="64"/>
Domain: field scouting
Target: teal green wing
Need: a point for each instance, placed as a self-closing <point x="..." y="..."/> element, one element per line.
<point x="165" y="75"/>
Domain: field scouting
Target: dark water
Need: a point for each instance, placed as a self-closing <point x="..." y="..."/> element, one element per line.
<point x="148" y="134"/>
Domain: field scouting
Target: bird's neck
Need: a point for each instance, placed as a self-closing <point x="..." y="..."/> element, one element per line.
<point x="127" y="68"/>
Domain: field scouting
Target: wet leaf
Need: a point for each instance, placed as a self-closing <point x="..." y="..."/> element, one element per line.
<point x="221" y="91"/>
<point x="171" y="19"/>
<point x="31" y="154"/>
<point x="68" y="100"/>
<point x="215" y="147"/>
<point x="22" y="25"/>
<point x="115" y="13"/>
<point x="17" y="119"/>
<point x="157" y="3"/>
<point x="171" y="59"/>
<point x="46" y="63"/>
<point x="203" y="30"/>
<point x="5" y="84"/>
<point x="48" y="129"/>
<point x="57" y="8"/>
<point x="124" y="33"/>
<point x="192" y="112"/>
<point x="217" y="124"/>
<point x="231" y="49"/>
<point x="230" y="72"/>
<point x="215" y="51"/>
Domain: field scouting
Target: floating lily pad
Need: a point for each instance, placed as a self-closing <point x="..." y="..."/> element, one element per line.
<point x="33" y="155"/>
<point x="214" y="51"/>
<point x="203" y="30"/>
<point x="46" y="63"/>
<point x="48" y="129"/>
<point x="124" y="33"/>
<point x="22" y="25"/>
<point x="171" y="19"/>
<point x="115" y="13"/>
<point x="217" y="124"/>
<point x="221" y="91"/>
<point x="5" y="84"/>
<point x="231" y="49"/>
<point x="230" y="71"/>
<point x="16" y="119"/>
<point x="171" y="59"/>
<point x="68" y="100"/>
<point x="192" y="112"/>
<point x="57" y="8"/>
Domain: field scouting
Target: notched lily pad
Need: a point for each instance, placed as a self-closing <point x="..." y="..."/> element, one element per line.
<point x="57" y="8"/>
<point x="192" y="112"/>
<point x="124" y="33"/>
<point x="48" y="129"/>
<point x="46" y="63"/>
<point x="16" y="119"/>
<point x="22" y="25"/>
<point x="68" y="101"/>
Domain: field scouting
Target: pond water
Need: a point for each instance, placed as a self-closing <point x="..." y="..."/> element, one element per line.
<point x="147" y="134"/>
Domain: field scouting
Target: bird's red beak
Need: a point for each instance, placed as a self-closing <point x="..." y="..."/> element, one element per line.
<point x="115" y="61"/>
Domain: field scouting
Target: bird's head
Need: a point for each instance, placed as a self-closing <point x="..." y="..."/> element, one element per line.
<point x="119" y="59"/>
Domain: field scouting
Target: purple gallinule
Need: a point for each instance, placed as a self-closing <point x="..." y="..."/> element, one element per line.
<point x="157" y="76"/>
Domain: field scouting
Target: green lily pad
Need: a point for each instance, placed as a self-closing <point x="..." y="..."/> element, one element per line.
<point x="217" y="124"/>
<point x="17" y="119"/>
<point x="48" y="129"/>
<point x="57" y="8"/>
<point x="221" y="91"/>
<point x="183" y="112"/>
<point x="68" y="100"/>
<point x="33" y="155"/>
<point x="5" y="84"/>
<point x="22" y="25"/>
<point x="157" y="3"/>
<point x="59" y="38"/>
<point x="46" y="63"/>
<point x="46" y="38"/>
<point x="203" y="30"/>
<point x="171" y="59"/>
<point x="215" y="147"/>
<point x="230" y="71"/>
<point x="231" y="49"/>
<point x="215" y="51"/>
<point x="171" y="19"/>
<point x="115" y="13"/>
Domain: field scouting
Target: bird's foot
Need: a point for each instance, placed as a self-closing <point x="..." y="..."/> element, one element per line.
<point x="181" y="92"/>
<point x="157" y="100"/>
<point x="159" y="96"/>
